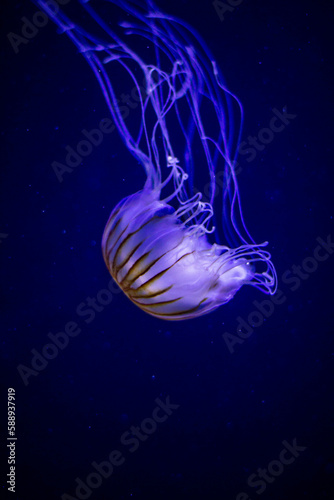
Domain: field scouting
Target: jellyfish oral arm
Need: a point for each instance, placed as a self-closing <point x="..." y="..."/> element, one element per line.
<point x="166" y="269"/>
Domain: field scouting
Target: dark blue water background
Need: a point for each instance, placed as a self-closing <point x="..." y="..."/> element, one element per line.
<point x="235" y="408"/>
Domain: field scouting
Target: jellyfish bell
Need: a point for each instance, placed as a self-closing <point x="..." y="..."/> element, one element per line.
<point x="159" y="244"/>
<point x="165" y="264"/>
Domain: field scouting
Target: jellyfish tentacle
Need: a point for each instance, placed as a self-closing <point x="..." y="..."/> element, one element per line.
<point x="160" y="244"/>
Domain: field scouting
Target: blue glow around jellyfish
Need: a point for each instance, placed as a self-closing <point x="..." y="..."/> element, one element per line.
<point x="160" y="244"/>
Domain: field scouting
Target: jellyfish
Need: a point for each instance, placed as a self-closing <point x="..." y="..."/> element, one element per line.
<point x="177" y="250"/>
